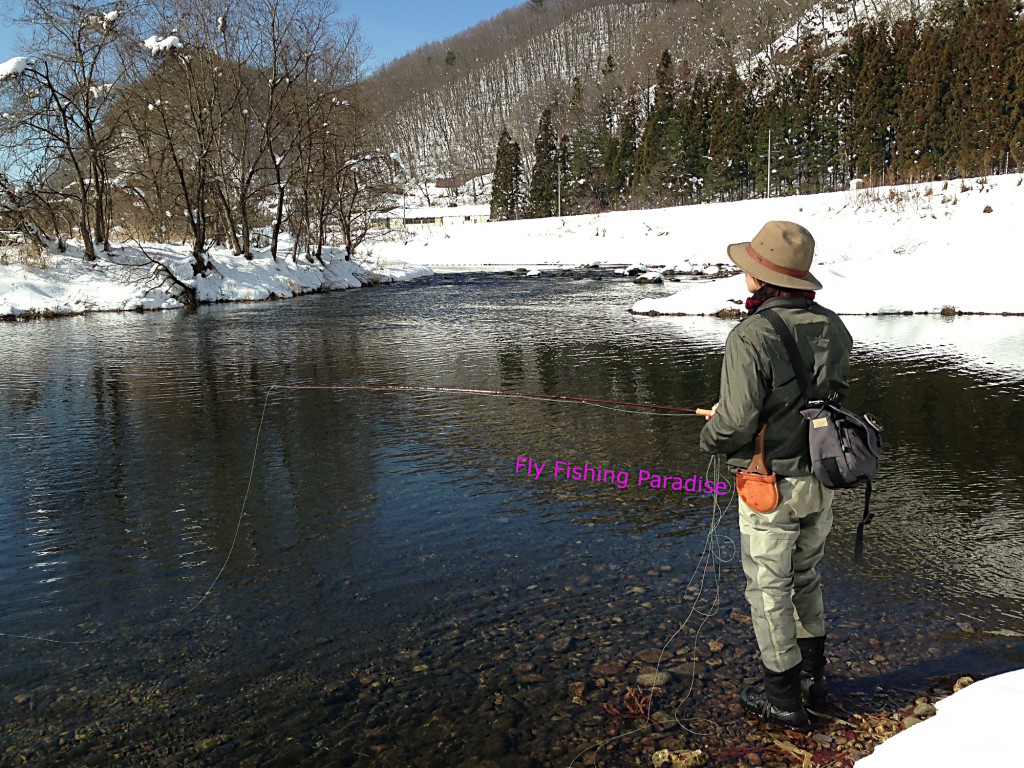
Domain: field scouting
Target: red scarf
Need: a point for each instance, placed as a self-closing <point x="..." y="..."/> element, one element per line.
<point x="765" y="292"/>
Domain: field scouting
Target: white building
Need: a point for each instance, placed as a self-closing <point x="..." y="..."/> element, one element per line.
<point x="418" y="218"/>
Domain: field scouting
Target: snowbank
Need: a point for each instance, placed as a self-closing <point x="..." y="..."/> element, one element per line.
<point x="914" y="248"/>
<point x="977" y="725"/>
<point x="920" y="248"/>
<point x="159" y="277"/>
<point x="892" y="250"/>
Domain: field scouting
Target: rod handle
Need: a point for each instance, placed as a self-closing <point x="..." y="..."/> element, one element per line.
<point x="705" y="412"/>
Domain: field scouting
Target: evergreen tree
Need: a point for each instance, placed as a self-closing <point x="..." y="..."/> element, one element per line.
<point x="507" y="183"/>
<point x="544" y="183"/>
<point x="872" y="105"/>
<point x="905" y="42"/>
<point x="813" y="150"/>
<point x="565" y="185"/>
<point x="924" y="100"/>
<point x="671" y="151"/>
<point x="652" y="150"/>
<point x="1014" y="78"/>
<point x="729" y="143"/>
<point x="515" y="194"/>
<point x="986" y="40"/>
<point x="691" y="117"/>
<point x="594" y="156"/>
<point x="622" y="163"/>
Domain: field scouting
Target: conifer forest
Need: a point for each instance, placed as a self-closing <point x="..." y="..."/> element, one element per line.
<point x="934" y="96"/>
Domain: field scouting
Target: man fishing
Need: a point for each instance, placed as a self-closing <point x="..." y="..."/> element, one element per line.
<point x="781" y="547"/>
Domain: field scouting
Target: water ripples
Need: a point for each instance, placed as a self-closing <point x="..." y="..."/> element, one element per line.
<point x="390" y="525"/>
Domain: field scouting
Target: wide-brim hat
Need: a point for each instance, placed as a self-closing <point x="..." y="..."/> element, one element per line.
<point x="780" y="254"/>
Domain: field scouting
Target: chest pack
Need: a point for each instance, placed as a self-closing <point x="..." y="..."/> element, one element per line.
<point x="845" y="448"/>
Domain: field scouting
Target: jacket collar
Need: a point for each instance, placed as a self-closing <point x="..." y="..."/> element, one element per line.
<point x="796" y="302"/>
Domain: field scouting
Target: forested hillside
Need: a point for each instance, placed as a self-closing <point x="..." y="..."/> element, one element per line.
<point x="443" y="105"/>
<point x="665" y="112"/>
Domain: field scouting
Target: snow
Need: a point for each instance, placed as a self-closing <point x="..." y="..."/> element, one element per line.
<point x="157" y="45"/>
<point x="912" y="248"/>
<point x="829" y="23"/>
<point x="975" y="726"/>
<point x="397" y="159"/>
<point x="13" y="67"/>
<point x="915" y="248"/>
<point x="131" y="279"/>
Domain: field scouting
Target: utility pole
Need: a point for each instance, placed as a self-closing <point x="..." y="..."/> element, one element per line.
<point x="559" y="186"/>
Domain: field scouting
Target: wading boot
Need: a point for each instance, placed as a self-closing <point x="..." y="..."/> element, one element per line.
<point x="813" y="683"/>
<point x="779" y="702"/>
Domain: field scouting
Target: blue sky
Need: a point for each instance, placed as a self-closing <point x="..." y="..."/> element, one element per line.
<point x="390" y="27"/>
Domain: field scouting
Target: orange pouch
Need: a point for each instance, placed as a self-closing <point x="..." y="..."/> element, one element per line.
<point x="755" y="484"/>
<point x="759" y="492"/>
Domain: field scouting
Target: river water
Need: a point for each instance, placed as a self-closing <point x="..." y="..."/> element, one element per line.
<point x="206" y="561"/>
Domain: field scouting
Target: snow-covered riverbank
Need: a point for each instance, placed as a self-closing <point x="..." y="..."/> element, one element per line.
<point x="156" y="277"/>
<point x="914" y="248"/>
<point x="918" y="248"/>
<point x="975" y="726"/>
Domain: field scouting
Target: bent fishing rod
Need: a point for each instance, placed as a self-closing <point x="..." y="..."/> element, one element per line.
<point x="497" y="393"/>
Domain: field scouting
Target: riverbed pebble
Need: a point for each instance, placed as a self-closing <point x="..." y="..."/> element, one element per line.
<point x="653" y="679"/>
<point x="924" y="710"/>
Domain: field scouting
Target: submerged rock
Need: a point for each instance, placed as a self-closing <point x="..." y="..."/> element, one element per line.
<point x="666" y="758"/>
<point x="653" y="679"/>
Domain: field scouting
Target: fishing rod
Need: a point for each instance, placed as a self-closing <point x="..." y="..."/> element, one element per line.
<point x="498" y="393"/>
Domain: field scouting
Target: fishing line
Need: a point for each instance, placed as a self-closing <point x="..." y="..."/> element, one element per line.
<point x="224" y="565"/>
<point x="711" y="555"/>
<point x="613" y="405"/>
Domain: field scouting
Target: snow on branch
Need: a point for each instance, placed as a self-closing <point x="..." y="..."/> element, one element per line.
<point x="13" y="67"/>
<point x="102" y="22"/>
<point x="156" y="45"/>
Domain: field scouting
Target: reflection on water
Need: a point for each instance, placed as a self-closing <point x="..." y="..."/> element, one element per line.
<point x="392" y="589"/>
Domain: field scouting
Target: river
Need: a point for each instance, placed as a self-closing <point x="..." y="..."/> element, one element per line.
<point x="206" y="561"/>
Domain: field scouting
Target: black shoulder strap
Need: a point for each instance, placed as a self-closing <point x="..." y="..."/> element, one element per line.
<point x="858" y="547"/>
<point x="789" y="343"/>
<point x="801" y="377"/>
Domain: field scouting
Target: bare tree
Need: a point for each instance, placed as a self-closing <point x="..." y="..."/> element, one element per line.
<point x="365" y="181"/>
<point x="57" y="104"/>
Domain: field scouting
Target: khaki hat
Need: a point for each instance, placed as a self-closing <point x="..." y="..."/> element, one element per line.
<point x="780" y="254"/>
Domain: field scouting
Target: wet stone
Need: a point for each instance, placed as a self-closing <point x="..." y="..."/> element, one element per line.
<point x="210" y="743"/>
<point x="495" y="745"/>
<point x="924" y="710"/>
<point x="563" y="644"/>
<point x="172" y="683"/>
<point x="653" y="679"/>
<point x="650" y="655"/>
<point x="529" y="678"/>
<point x="692" y="669"/>
<point x="608" y="669"/>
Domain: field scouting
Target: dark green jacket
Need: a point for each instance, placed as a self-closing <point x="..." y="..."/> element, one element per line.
<point x="758" y="383"/>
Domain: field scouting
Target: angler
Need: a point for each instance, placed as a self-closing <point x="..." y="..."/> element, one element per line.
<point x="785" y="511"/>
